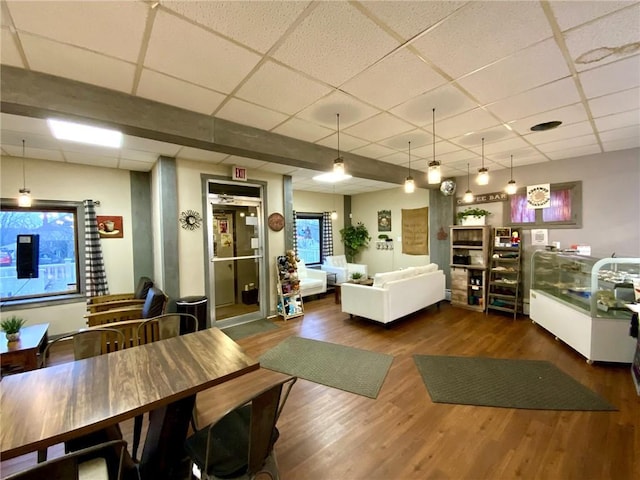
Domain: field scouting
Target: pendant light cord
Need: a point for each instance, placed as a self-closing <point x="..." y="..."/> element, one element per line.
<point x="24" y="176"/>
<point x="338" y="115"/>
<point x="409" y="158"/>
<point x="483" y="152"/>
<point x="434" y="134"/>
<point x="511" y="174"/>
<point x="468" y="177"/>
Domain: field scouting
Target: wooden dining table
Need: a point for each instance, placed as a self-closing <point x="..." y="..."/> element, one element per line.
<point x="44" y="407"/>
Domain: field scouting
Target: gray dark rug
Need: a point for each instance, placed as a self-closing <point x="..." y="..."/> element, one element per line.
<point x="494" y="382"/>
<point x="248" y="329"/>
<point x="346" y="368"/>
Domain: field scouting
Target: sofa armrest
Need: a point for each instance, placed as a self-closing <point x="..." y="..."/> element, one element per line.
<point x="318" y="275"/>
<point x="340" y="272"/>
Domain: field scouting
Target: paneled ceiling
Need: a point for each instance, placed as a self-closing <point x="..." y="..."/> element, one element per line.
<point x="490" y="69"/>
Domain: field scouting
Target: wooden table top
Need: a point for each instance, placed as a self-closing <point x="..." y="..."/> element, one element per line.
<point x="44" y="407"/>
<point x="30" y="338"/>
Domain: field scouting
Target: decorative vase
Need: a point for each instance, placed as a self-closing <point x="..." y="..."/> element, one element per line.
<point x="13" y="337"/>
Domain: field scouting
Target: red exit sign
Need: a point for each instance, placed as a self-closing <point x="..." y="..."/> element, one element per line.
<point x="239" y="173"/>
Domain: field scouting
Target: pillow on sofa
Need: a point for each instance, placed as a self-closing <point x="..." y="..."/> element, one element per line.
<point x="381" y="279"/>
<point x="432" y="267"/>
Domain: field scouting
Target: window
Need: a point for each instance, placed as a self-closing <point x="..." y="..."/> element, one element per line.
<point x="565" y="210"/>
<point x="56" y="224"/>
<point x="309" y="237"/>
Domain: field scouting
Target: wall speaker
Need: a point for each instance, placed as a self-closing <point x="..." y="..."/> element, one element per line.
<point x="27" y="255"/>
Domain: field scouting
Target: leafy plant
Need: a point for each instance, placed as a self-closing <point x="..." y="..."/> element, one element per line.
<point x="12" y="324"/>
<point x="355" y="238"/>
<point x="356" y="276"/>
<point x="472" y="212"/>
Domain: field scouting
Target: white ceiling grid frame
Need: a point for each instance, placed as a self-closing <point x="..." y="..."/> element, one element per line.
<point x="615" y="102"/>
<point x="324" y="111"/>
<point x="302" y="130"/>
<point x="570" y="14"/>
<point x="612" y="77"/>
<point x="379" y="127"/>
<point x="618" y="120"/>
<point x="245" y="113"/>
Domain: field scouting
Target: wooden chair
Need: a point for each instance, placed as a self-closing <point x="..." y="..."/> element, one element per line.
<point x="120" y="300"/>
<point x="88" y="342"/>
<point x="154" y="305"/>
<point x="99" y="462"/>
<point x="239" y="440"/>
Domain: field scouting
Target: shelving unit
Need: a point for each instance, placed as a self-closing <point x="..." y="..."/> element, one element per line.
<point x="505" y="278"/>
<point x="468" y="261"/>
<point x="287" y="288"/>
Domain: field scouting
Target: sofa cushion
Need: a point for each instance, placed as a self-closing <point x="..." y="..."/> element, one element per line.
<point x="380" y="279"/>
<point x="432" y="267"/>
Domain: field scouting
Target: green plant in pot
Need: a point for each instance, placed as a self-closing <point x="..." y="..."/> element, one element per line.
<point x="11" y="327"/>
<point x="357" y="277"/>
<point x="472" y="212"/>
<point x="355" y="238"/>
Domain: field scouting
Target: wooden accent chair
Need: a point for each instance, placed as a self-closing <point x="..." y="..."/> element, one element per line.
<point x="99" y="462"/>
<point x="155" y="304"/>
<point x="120" y="300"/>
<point x="242" y="432"/>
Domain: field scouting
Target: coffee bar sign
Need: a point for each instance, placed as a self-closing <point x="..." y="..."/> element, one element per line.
<point x="485" y="198"/>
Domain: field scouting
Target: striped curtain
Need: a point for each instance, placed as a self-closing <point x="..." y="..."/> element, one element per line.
<point x="95" y="276"/>
<point x="327" y="235"/>
<point x="295" y="233"/>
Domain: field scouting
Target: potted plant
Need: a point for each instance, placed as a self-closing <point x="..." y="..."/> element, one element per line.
<point x="355" y="238"/>
<point x="356" y="277"/>
<point x="472" y="216"/>
<point x="11" y="327"/>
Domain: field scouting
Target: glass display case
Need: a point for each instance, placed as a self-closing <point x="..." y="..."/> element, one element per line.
<point x="581" y="299"/>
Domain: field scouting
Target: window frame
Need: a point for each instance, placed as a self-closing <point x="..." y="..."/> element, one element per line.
<point x="79" y="294"/>
<point x="576" y="209"/>
<point x="320" y="218"/>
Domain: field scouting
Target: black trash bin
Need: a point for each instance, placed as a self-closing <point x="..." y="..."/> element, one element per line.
<point x="196" y="306"/>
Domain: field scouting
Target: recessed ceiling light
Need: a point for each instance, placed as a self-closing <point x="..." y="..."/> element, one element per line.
<point x="77" y="132"/>
<point x="541" y="127"/>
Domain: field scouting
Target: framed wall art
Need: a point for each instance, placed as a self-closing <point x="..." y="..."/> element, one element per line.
<point x="110" y="226"/>
<point x="384" y="220"/>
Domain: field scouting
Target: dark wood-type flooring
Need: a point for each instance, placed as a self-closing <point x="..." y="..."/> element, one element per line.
<point x="334" y="435"/>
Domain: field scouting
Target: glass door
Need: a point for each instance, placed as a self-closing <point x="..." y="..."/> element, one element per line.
<point x="236" y="253"/>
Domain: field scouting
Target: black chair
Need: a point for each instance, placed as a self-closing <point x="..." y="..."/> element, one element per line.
<point x="240" y="443"/>
<point x="103" y="462"/>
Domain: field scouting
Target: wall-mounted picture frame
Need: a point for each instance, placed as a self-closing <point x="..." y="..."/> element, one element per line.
<point x="384" y="220"/>
<point x="110" y="226"/>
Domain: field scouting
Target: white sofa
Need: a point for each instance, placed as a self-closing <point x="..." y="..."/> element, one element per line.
<point x="394" y="294"/>
<point x="343" y="270"/>
<point x="312" y="281"/>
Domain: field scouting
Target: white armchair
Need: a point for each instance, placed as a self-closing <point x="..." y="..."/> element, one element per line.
<point x="338" y="264"/>
<point x="312" y="281"/>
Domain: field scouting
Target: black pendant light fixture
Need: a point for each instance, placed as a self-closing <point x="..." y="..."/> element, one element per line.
<point x="511" y="187"/>
<point x="433" y="171"/>
<point x="468" y="196"/>
<point x="24" y="199"/>
<point x="483" y="173"/>
<point x="409" y="184"/>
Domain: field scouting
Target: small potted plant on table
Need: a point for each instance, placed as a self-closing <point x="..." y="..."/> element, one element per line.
<point x="11" y="327"/>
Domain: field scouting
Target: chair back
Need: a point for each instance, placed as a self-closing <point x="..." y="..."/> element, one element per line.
<point x="166" y="326"/>
<point x="103" y="461"/>
<point x="89" y="342"/>
<point x="155" y="303"/>
<point x="142" y="289"/>
<point x="336" y="261"/>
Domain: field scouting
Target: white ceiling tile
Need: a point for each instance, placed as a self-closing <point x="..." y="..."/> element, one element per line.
<point x="567" y="144"/>
<point x="164" y="89"/>
<point x="574" y="152"/>
<point x="302" y="130"/>
<point x="347" y="142"/>
<point x="395" y="79"/>
<point x="89" y="25"/>
<point x="147" y="145"/>
<point x="618" y="120"/>
<point x="138" y="156"/>
<point x="90" y="159"/>
<point x="189" y="153"/>
<point x="615" y="103"/>
<point x="256" y="24"/>
<point x="622" y="144"/>
<point x="417" y="137"/>
<point x="611" y="78"/>
<point x="253" y="115"/>
<point x="278" y="168"/>
<point x="560" y="133"/>
<point x="475" y="27"/>
<point x="29" y="152"/>
<point x="410" y="18"/>
<point x="212" y="62"/>
<point x="457" y="156"/>
<point x="447" y="100"/>
<point x="334" y="43"/>
<point x="494" y="149"/>
<point x="604" y="40"/>
<point x="539" y="64"/>
<point x="571" y="13"/>
<point x="567" y="115"/>
<point x="520" y="156"/>
<point x="473" y="140"/>
<point x="373" y="150"/>
<point x="441" y="148"/>
<point x="399" y="158"/>
<point x="379" y="127"/>
<point x="19" y="123"/>
<point x="621" y="133"/>
<point x="243" y="162"/>
<point x="9" y="54"/>
<point x="541" y="99"/>
<point x="128" y="164"/>
<point x="78" y="64"/>
<point x="280" y="88"/>
<point x="44" y="141"/>
<point x="350" y="109"/>
<point x="471" y="121"/>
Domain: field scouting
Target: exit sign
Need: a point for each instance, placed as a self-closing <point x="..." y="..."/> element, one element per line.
<point x="239" y="173"/>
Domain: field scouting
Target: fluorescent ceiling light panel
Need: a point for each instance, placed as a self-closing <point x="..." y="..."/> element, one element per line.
<point x="331" y="177"/>
<point x="76" y="132"/>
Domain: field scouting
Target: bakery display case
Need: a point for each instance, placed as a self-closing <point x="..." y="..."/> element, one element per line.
<point x="581" y="300"/>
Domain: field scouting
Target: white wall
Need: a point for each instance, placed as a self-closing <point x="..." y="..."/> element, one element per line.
<point x="314" y="202"/>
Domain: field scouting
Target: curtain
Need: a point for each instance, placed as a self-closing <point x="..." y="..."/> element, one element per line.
<point x="327" y="236"/>
<point x="95" y="276"/>
<point x="295" y="232"/>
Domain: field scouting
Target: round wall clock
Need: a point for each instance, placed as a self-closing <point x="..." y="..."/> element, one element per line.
<point x="276" y="222"/>
<point x="190" y="220"/>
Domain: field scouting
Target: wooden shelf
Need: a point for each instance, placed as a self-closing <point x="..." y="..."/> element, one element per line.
<point x="468" y="280"/>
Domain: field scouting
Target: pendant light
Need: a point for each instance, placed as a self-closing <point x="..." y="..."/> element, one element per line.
<point x="433" y="171"/>
<point x="468" y="196"/>
<point x="483" y="173"/>
<point x="338" y="163"/>
<point x="512" y="187"/>
<point x="24" y="199"/>
<point x="409" y="184"/>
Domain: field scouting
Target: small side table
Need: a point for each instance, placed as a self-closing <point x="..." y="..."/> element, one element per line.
<point x="22" y="355"/>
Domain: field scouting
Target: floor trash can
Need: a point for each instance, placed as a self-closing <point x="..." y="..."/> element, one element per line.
<point x="196" y="306"/>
